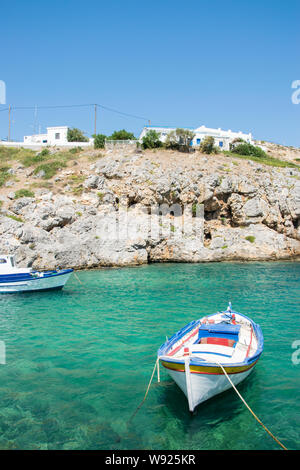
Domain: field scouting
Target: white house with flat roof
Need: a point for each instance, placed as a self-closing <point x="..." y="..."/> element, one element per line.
<point x="222" y="138"/>
<point x="56" y="135"/>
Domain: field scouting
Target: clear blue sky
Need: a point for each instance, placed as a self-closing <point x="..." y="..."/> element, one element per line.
<point x="221" y="63"/>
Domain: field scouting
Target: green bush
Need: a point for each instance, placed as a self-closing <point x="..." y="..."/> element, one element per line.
<point x="76" y="135"/>
<point x="180" y="139"/>
<point x="122" y="135"/>
<point x="208" y="145"/>
<point x="99" y="141"/>
<point x="235" y="141"/>
<point x="248" y="150"/>
<point x="23" y="193"/>
<point x="151" y="140"/>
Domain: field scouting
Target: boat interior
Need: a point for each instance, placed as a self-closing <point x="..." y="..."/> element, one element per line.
<point x="225" y="338"/>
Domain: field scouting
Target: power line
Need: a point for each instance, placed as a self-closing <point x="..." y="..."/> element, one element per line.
<point x="94" y="105"/>
<point x="107" y="108"/>
<point x="120" y="112"/>
<point x="52" y="107"/>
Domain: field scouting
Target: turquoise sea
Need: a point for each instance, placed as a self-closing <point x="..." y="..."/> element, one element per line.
<point x="78" y="361"/>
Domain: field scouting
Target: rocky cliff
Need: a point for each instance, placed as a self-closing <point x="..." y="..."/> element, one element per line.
<point x="128" y="207"/>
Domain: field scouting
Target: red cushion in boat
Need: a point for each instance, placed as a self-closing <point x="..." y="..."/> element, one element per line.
<point x="220" y="341"/>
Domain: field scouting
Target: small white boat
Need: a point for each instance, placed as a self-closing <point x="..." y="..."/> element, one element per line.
<point x="14" y="279"/>
<point x="197" y="354"/>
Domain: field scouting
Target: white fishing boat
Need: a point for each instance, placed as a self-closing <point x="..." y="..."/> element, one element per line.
<point x="14" y="279"/>
<point x="202" y="355"/>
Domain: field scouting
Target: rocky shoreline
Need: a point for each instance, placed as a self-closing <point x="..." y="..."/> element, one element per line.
<point x="131" y="208"/>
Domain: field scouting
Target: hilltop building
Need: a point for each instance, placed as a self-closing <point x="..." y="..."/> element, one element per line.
<point x="222" y="138"/>
<point x="55" y="136"/>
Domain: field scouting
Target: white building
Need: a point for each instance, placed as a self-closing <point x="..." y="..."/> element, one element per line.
<point x="222" y="138"/>
<point x="55" y="136"/>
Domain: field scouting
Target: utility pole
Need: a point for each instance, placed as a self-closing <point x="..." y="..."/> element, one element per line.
<point x="95" y="123"/>
<point x="9" y="111"/>
<point x="35" y="120"/>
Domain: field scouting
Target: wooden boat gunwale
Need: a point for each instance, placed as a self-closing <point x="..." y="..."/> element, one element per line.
<point x="198" y="365"/>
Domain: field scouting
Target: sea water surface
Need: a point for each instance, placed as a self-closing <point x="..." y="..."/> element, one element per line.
<point x="78" y="361"/>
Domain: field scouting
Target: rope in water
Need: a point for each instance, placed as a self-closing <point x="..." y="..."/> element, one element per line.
<point x="147" y="391"/>
<point x="257" y="419"/>
<point x="78" y="278"/>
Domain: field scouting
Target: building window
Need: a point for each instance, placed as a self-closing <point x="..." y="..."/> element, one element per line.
<point x="57" y="135"/>
<point x="220" y="143"/>
<point x="198" y="141"/>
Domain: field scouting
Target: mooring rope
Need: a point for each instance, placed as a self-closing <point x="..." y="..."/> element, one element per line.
<point x="148" y="388"/>
<point x="252" y="412"/>
<point x="78" y="278"/>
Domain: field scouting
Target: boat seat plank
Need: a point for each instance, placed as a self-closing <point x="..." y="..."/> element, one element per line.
<point x="211" y="349"/>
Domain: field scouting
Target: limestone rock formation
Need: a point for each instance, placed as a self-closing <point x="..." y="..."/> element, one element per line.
<point x="144" y="207"/>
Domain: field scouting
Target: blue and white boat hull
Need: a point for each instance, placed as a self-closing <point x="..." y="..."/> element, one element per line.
<point x="34" y="281"/>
